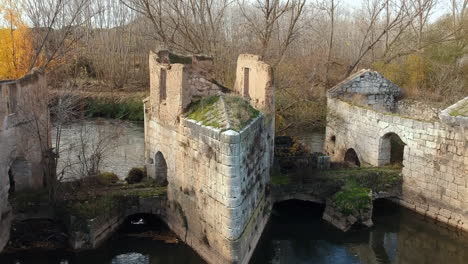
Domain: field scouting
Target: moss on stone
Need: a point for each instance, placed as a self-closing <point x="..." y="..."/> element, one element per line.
<point x="460" y="111"/>
<point x="352" y="198"/>
<point x="223" y="112"/>
<point x="375" y="178"/>
<point x="29" y="200"/>
<point x="240" y="112"/>
<point x="278" y="178"/>
<point x="206" y="111"/>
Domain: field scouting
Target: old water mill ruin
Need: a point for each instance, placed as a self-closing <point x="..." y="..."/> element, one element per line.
<point x="213" y="149"/>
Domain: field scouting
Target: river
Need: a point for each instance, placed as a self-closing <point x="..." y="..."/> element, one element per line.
<point x="295" y="234"/>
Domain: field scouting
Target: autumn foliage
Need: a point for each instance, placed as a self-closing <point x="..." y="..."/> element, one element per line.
<point x="17" y="50"/>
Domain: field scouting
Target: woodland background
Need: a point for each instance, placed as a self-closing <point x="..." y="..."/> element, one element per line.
<point x="99" y="48"/>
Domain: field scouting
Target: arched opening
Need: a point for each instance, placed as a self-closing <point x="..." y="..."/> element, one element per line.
<point x="391" y="150"/>
<point x="143" y="222"/>
<point x="19" y="175"/>
<point x="352" y="158"/>
<point x="12" y="182"/>
<point x="160" y="169"/>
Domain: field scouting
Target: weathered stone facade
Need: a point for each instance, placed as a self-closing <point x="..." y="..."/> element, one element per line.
<point x="435" y="155"/>
<point x="217" y="179"/>
<point x="23" y="118"/>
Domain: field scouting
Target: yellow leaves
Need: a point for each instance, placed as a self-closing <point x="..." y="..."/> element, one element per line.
<point x="410" y="74"/>
<point x="17" y="51"/>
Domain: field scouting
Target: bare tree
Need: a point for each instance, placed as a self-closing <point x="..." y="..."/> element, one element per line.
<point x="59" y="25"/>
<point x="265" y="17"/>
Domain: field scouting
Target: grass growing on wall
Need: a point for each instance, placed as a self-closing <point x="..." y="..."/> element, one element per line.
<point x="352" y="197"/>
<point x="131" y="109"/>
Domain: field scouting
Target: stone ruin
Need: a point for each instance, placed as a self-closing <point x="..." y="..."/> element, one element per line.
<point x="365" y="117"/>
<point x="23" y="116"/>
<point x="214" y="149"/>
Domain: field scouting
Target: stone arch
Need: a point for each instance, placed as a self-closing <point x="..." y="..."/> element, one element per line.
<point x="19" y="174"/>
<point x="391" y="149"/>
<point x="352" y="157"/>
<point x="160" y="169"/>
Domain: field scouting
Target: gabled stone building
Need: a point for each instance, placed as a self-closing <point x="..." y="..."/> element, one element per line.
<point x="24" y="133"/>
<point x="213" y="149"/>
<point x="368" y="125"/>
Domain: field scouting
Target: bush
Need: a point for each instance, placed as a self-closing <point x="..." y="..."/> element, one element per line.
<point x="135" y="175"/>
<point x="107" y="178"/>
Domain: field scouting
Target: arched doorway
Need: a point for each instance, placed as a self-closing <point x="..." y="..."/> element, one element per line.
<point x="352" y="158"/>
<point x="160" y="169"/>
<point x="391" y="150"/>
<point x="19" y="175"/>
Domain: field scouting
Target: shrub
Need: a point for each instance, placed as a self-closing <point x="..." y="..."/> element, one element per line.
<point x="135" y="175"/>
<point x="107" y="178"/>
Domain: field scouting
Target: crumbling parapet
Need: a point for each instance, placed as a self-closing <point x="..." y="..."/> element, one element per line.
<point x="368" y="88"/>
<point x="23" y="116"/>
<point x="434" y="155"/>
<point x="214" y="153"/>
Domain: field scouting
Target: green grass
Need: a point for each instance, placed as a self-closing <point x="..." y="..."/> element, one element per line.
<point x="375" y="178"/>
<point x="202" y="109"/>
<point x="352" y="197"/>
<point x="241" y="112"/>
<point x="460" y="111"/>
<point x="278" y="178"/>
<point x="131" y="109"/>
<point x="29" y="200"/>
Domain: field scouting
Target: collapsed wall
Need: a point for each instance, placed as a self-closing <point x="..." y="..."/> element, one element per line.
<point x="435" y="152"/>
<point x="24" y="125"/>
<point x="216" y="168"/>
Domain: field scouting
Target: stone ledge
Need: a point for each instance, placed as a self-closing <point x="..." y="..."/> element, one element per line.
<point x="446" y="117"/>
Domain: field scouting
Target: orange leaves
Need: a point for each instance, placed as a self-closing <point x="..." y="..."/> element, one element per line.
<point x="16" y="45"/>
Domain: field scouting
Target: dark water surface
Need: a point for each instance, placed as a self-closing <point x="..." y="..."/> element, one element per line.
<point x="295" y="234"/>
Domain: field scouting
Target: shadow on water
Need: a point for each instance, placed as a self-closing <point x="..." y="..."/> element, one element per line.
<point x="296" y="234"/>
<point x="131" y="245"/>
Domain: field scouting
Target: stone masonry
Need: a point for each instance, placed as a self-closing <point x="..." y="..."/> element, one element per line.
<point x="217" y="178"/>
<point x="435" y="159"/>
<point x="20" y="151"/>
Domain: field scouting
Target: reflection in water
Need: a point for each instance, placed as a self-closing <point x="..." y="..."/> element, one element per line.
<point x="296" y="234"/>
<point x="131" y="258"/>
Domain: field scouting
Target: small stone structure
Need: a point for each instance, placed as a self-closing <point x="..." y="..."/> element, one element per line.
<point x="90" y="234"/>
<point x="217" y="175"/>
<point x="365" y="114"/>
<point x="24" y="127"/>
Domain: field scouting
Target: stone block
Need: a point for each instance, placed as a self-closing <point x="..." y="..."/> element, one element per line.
<point x="230" y="136"/>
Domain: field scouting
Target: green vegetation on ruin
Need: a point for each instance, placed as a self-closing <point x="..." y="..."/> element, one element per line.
<point x="226" y="112"/>
<point x="352" y="197"/>
<point x="278" y="178"/>
<point x="460" y="111"/>
<point x="206" y="111"/>
<point x="88" y="198"/>
<point x="240" y="112"/>
<point x="348" y="188"/>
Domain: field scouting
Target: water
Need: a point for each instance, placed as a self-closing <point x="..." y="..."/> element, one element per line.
<point x="121" y="144"/>
<point x="295" y="235"/>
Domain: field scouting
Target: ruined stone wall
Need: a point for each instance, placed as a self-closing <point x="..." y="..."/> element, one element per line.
<point x="22" y="103"/>
<point x="254" y="80"/>
<point x="175" y="85"/>
<point x="435" y="159"/>
<point x="217" y="179"/>
<point x="368" y="88"/>
<point x="217" y="182"/>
